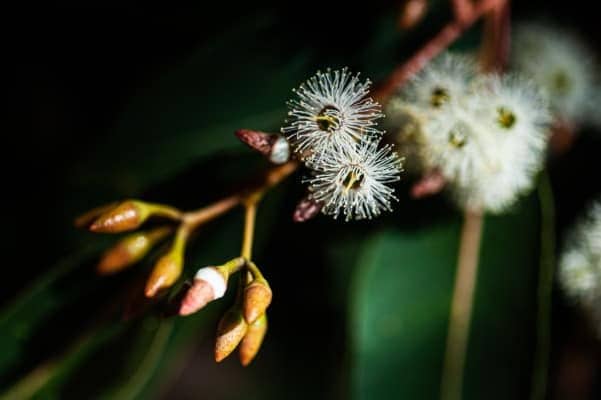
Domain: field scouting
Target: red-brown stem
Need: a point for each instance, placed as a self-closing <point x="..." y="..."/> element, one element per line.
<point x="435" y="46"/>
<point x="462" y="10"/>
<point x="271" y="178"/>
<point x="494" y="54"/>
<point x="563" y="134"/>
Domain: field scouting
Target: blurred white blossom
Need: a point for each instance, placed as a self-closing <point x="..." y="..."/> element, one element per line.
<point x="485" y="134"/>
<point x="559" y="62"/>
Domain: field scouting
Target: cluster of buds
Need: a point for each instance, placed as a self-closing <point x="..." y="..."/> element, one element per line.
<point x="129" y="215"/>
<point x="244" y="325"/>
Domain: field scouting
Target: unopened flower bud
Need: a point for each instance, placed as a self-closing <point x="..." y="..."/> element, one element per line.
<point x="257" y="297"/>
<point x="130" y="250"/>
<point x="306" y="209"/>
<point x="129" y="215"/>
<point x="126" y="216"/>
<point x="250" y="345"/>
<point x="412" y="11"/>
<point x="165" y="273"/>
<point x="273" y="146"/>
<point x="85" y="219"/>
<point x="210" y="283"/>
<point x="169" y="267"/>
<point x="430" y="184"/>
<point x="230" y="332"/>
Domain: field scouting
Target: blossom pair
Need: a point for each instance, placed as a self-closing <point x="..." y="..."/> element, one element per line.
<point x="332" y="127"/>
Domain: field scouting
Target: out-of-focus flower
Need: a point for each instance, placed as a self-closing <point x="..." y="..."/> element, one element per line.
<point x="559" y="62"/>
<point x="483" y="134"/>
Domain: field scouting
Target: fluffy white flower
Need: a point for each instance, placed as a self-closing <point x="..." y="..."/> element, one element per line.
<point x="487" y="137"/>
<point x="404" y="121"/>
<point x="442" y="82"/>
<point x="354" y="180"/>
<point x="331" y="111"/>
<point x="512" y="112"/>
<point x="560" y="64"/>
<point x="580" y="263"/>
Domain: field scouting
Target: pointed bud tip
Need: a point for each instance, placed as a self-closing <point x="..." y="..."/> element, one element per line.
<point x="257" y="297"/>
<point x="153" y="286"/>
<point x="230" y="332"/>
<point x="253" y="340"/>
<point x="126" y="216"/>
<point x="197" y="297"/>
<point x="114" y="260"/>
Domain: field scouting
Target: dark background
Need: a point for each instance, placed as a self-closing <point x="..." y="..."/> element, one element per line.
<point x="73" y="70"/>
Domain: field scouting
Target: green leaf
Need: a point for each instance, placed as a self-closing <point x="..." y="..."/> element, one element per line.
<point x="400" y="305"/>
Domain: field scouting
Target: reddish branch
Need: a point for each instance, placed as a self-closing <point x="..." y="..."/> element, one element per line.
<point x="435" y="46"/>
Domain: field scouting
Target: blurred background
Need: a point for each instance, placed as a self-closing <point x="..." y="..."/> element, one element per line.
<point x="139" y="101"/>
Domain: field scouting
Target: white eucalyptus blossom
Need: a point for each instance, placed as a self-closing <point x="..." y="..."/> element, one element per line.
<point x="580" y="263"/>
<point x="354" y="181"/>
<point x="404" y="121"/>
<point x="444" y="81"/>
<point x="331" y="111"/>
<point x="486" y="136"/>
<point x="512" y="113"/>
<point x="560" y="64"/>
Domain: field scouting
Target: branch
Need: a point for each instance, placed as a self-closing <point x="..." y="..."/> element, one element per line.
<point x="435" y="46"/>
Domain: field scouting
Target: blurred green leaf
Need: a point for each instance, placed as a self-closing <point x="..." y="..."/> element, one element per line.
<point x="400" y="303"/>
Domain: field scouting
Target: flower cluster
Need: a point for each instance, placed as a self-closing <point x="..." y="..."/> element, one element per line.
<point x="562" y="66"/>
<point x="484" y="134"/>
<point x="332" y="128"/>
<point x="580" y="263"/>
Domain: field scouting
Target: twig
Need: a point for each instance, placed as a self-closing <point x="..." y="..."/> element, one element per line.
<point x="272" y="177"/>
<point x="461" y="306"/>
<point x="462" y="10"/>
<point x="435" y="46"/>
<point x="496" y="38"/>
<point x="249" y="229"/>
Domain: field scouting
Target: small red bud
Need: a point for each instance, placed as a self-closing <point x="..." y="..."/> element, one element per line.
<point x="273" y="146"/>
<point x="430" y="184"/>
<point x="412" y="12"/>
<point x="306" y="209"/>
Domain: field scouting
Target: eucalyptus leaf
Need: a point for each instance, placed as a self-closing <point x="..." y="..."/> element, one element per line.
<point x="401" y="295"/>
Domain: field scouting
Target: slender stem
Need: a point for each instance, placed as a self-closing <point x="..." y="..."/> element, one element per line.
<point x="205" y="214"/>
<point x="435" y="46"/>
<point x="462" y="9"/>
<point x="166" y="211"/>
<point x="272" y="177"/>
<point x="494" y="54"/>
<point x="249" y="229"/>
<point x="545" y="288"/>
<point x="461" y="306"/>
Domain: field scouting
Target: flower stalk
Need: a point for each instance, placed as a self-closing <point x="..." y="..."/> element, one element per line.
<point x="461" y="306"/>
